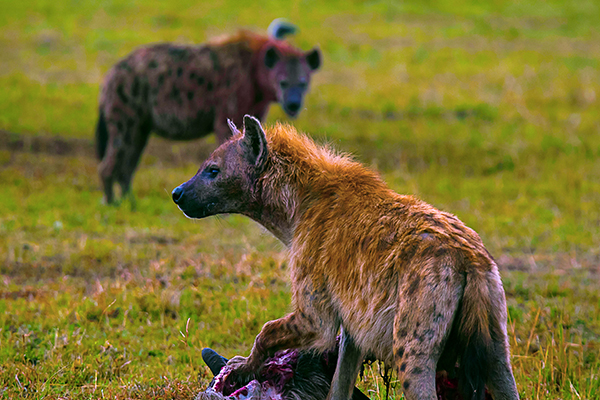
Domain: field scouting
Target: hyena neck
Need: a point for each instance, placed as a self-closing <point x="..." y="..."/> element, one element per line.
<point x="276" y="210"/>
<point x="301" y="175"/>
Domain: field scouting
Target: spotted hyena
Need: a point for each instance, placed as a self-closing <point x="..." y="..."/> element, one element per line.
<point x="186" y="92"/>
<point x="406" y="283"/>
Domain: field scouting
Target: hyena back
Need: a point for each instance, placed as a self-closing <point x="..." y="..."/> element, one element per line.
<point x="405" y="282"/>
<point x="186" y="92"/>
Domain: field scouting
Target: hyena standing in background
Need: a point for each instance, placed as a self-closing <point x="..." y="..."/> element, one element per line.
<point x="406" y="283"/>
<point x="186" y="92"/>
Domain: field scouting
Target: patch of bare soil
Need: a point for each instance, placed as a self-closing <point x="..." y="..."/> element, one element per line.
<point x="557" y="263"/>
<point x="167" y="152"/>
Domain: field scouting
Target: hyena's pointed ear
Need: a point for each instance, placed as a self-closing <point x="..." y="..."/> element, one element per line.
<point x="280" y="28"/>
<point x="271" y="57"/>
<point x="232" y="127"/>
<point x="254" y="142"/>
<point x="313" y="58"/>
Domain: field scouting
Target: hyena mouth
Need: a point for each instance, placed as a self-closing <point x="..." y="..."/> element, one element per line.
<point x="292" y="109"/>
<point x="198" y="212"/>
<point x="195" y="213"/>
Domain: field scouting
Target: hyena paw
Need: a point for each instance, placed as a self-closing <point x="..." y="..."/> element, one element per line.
<point x="237" y="362"/>
<point x="241" y="371"/>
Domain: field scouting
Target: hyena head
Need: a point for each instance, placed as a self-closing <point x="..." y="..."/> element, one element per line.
<point x="225" y="183"/>
<point x="289" y="75"/>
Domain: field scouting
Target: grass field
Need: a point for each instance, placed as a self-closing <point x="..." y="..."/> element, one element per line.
<point x="489" y="111"/>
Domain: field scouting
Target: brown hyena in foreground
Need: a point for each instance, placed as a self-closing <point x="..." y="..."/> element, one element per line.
<point x="186" y="92"/>
<point x="406" y="283"/>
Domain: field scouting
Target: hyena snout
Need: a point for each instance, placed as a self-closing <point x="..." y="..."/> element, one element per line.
<point x="186" y="201"/>
<point x="182" y="196"/>
<point x="199" y="201"/>
<point x="293" y="102"/>
<point x="177" y="193"/>
<point x="293" y="108"/>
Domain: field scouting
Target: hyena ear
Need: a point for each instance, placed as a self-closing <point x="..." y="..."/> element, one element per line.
<point x="254" y="142"/>
<point x="313" y="58"/>
<point x="271" y="57"/>
<point x="232" y="127"/>
<point x="280" y="28"/>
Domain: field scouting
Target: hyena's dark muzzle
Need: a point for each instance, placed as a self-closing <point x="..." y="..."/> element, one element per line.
<point x="292" y="101"/>
<point x="186" y="200"/>
<point x="181" y="198"/>
<point x="178" y="193"/>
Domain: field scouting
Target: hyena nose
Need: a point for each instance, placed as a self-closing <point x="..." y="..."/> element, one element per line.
<point x="294" y="107"/>
<point x="177" y="194"/>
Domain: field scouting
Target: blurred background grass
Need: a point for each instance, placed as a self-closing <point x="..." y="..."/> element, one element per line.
<point x="488" y="110"/>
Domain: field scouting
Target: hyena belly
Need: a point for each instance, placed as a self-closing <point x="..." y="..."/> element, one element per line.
<point x="376" y="336"/>
<point x="174" y="127"/>
<point x="367" y="315"/>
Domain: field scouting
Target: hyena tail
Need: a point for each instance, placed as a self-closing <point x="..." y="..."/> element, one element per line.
<point x="475" y="340"/>
<point x="101" y="136"/>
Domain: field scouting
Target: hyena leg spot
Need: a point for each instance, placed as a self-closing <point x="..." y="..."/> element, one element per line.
<point x="418" y="380"/>
<point x="399" y="353"/>
<point x="416" y="370"/>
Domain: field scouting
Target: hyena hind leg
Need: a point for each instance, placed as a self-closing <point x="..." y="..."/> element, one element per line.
<point x="131" y="157"/>
<point x="110" y="162"/>
<point x="107" y="184"/>
<point x="422" y="325"/>
<point x="415" y="359"/>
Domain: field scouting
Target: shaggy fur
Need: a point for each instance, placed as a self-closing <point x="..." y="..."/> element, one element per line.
<point x="405" y="282"/>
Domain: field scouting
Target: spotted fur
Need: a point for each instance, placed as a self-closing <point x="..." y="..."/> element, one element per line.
<point x="186" y="92"/>
<point x="406" y="283"/>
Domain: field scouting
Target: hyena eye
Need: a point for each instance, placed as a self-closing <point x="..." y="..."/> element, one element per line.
<point x="211" y="172"/>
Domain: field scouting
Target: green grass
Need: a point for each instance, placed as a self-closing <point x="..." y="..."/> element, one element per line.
<point x="488" y="110"/>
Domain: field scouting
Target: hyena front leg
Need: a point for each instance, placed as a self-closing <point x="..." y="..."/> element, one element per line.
<point x="350" y="359"/>
<point x="295" y="330"/>
<point x="426" y="308"/>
